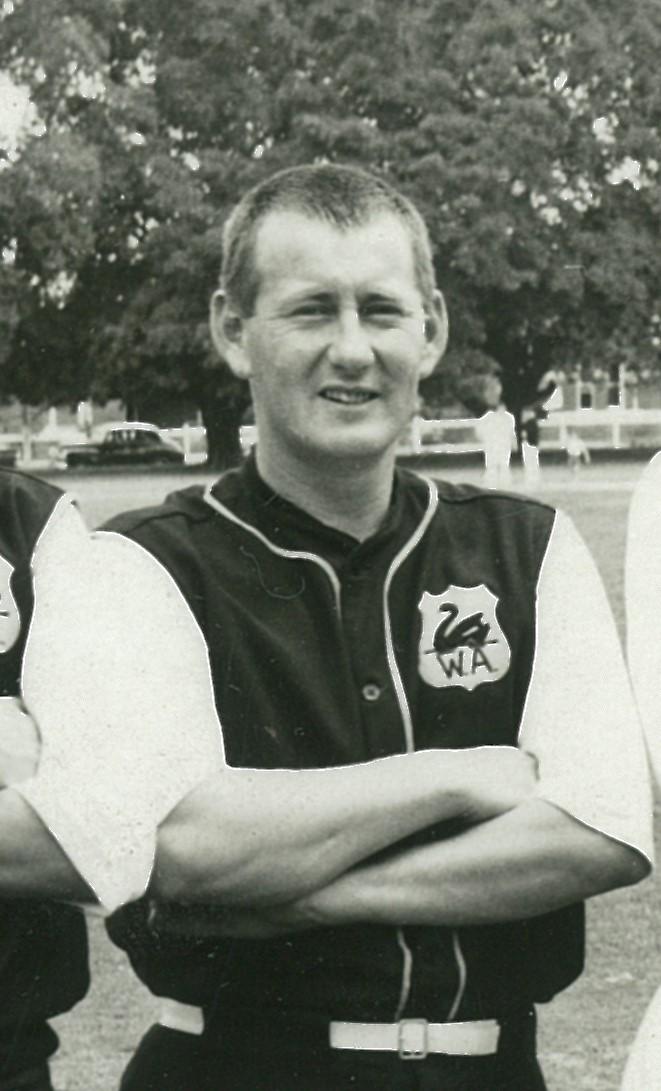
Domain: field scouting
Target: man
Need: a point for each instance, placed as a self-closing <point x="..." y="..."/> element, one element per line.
<point x="43" y="946"/>
<point x="351" y="612"/>
<point x="643" y="602"/>
<point x="82" y="827"/>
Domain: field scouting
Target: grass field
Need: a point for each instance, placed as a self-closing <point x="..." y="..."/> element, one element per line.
<point x="585" y="1033"/>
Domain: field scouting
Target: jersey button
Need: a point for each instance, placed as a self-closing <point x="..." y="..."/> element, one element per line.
<point x="371" y="692"/>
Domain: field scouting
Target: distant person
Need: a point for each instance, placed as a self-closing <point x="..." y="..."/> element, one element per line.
<point x="578" y="454"/>
<point x="497" y="433"/>
<point x="529" y="442"/>
<point x="529" y="433"/>
<point x="643" y="610"/>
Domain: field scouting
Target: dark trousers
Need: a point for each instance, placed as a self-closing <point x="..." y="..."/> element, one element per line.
<point x="249" y="1059"/>
<point x="32" y="1079"/>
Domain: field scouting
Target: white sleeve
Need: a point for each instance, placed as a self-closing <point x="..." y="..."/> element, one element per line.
<point x="580" y="718"/>
<point x="643" y="605"/>
<point x="116" y="674"/>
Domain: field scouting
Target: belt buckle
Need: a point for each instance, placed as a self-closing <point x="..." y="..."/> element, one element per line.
<point x="412" y="1039"/>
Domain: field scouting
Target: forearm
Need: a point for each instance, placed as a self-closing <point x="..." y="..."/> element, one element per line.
<point x="260" y="837"/>
<point x="32" y="864"/>
<point x="527" y="862"/>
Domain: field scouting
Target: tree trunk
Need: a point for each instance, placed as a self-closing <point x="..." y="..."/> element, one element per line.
<point x="222" y="420"/>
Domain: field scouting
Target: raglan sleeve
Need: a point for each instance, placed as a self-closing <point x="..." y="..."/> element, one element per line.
<point x="116" y="675"/>
<point x="580" y="719"/>
<point x="643" y="605"/>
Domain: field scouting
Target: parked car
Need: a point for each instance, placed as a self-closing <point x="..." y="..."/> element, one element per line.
<point x="7" y="457"/>
<point x="131" y="443"/>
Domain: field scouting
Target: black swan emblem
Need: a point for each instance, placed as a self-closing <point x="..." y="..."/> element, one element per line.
<point x="471" y="632"/>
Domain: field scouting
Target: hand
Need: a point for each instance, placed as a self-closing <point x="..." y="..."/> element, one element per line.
<point x="499" y="778"/>
<point x="20" y="743"/>
<point x="209" y="922"/>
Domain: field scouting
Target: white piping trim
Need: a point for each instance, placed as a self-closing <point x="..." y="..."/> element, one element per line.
<point x="407" y="972"/>
<point x="289" y="554"/>
<point x="463" y="976"/>
<point x="407" y="549"/>
<point x="400" y="693"/>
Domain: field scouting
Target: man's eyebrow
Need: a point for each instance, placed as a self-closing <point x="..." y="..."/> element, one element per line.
<point x="384" y="293"/>
<point x="392" y="298"/>
<point x="303" y="295"/>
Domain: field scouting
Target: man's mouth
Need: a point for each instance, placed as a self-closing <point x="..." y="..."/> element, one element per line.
<point x="348" y="395"/>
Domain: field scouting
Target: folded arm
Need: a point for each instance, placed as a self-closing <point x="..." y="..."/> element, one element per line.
<point x="530" y="861"/>
<point x="587" y="830"/>
<point x="258" y="837"/>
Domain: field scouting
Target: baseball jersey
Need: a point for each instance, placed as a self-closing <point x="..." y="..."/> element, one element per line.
<point x="43" y="946"/>
<point x="461" y="622"/>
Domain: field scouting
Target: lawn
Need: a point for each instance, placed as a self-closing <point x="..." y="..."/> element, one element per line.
<point x="586" y="1032"/>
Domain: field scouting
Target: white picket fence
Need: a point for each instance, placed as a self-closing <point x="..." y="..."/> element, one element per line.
<point x="599" y="428"/>
<point x="614" y="429"/>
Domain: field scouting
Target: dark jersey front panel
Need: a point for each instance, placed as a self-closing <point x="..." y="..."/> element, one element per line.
<point x="325" y="651"/>
<point x="43" y="945"/>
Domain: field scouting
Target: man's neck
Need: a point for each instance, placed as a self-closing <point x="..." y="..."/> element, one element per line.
<point x="351" y="495"/>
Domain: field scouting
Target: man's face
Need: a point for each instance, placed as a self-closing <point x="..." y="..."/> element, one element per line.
<point x="339" y="337"/>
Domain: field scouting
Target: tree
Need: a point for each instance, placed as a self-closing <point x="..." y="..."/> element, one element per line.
<point x="526" y="132"/>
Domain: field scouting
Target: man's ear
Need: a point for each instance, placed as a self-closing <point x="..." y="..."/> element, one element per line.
<point x="227" y="334"/>
<point x="436" y="333"/>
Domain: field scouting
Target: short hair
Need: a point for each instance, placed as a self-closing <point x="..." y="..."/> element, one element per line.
<point x="341" y="195"/>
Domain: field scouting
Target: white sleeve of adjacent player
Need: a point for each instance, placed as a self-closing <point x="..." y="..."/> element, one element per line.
<point x="116" y="674"/>
<point x="580" y="718"/>
<point x="643" y="605"/>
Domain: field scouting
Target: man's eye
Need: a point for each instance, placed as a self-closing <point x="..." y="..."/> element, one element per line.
<point x="312" y="310"/>
<point x="387" y="312"/>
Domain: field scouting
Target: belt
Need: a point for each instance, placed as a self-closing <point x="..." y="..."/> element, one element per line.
<point x="414" y="1039"/>
<point x="176" y="1016"/>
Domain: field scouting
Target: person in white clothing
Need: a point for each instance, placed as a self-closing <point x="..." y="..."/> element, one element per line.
<point x="497" y="432"/>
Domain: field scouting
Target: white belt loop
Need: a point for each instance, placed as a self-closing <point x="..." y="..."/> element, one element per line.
<point x="183" y="1017"/>
<point x="415" y="1039"/>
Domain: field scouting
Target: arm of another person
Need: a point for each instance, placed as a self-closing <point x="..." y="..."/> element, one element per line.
<point x="113" y="700"/>
<point x="588" y="829"/>
<point x="26" y="844"/>
<point x="643" y="605"/>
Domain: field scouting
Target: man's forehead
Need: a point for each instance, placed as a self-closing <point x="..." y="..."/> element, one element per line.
<point x="291" y="244"/>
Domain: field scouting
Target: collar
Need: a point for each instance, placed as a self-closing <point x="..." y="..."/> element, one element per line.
<point x="291" y="527"/>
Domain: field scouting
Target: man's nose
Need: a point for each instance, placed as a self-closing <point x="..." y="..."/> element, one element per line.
<point x="351" y="347"/>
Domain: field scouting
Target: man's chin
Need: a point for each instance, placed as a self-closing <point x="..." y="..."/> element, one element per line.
<point x="363" y="446"/>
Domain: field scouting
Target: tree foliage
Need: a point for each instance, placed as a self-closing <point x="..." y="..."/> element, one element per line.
<point x="527" y="133"/>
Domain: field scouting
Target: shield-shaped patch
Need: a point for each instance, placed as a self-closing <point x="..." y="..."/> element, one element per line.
<point x="462" y="643"/>
<point x="10" y="621"/>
